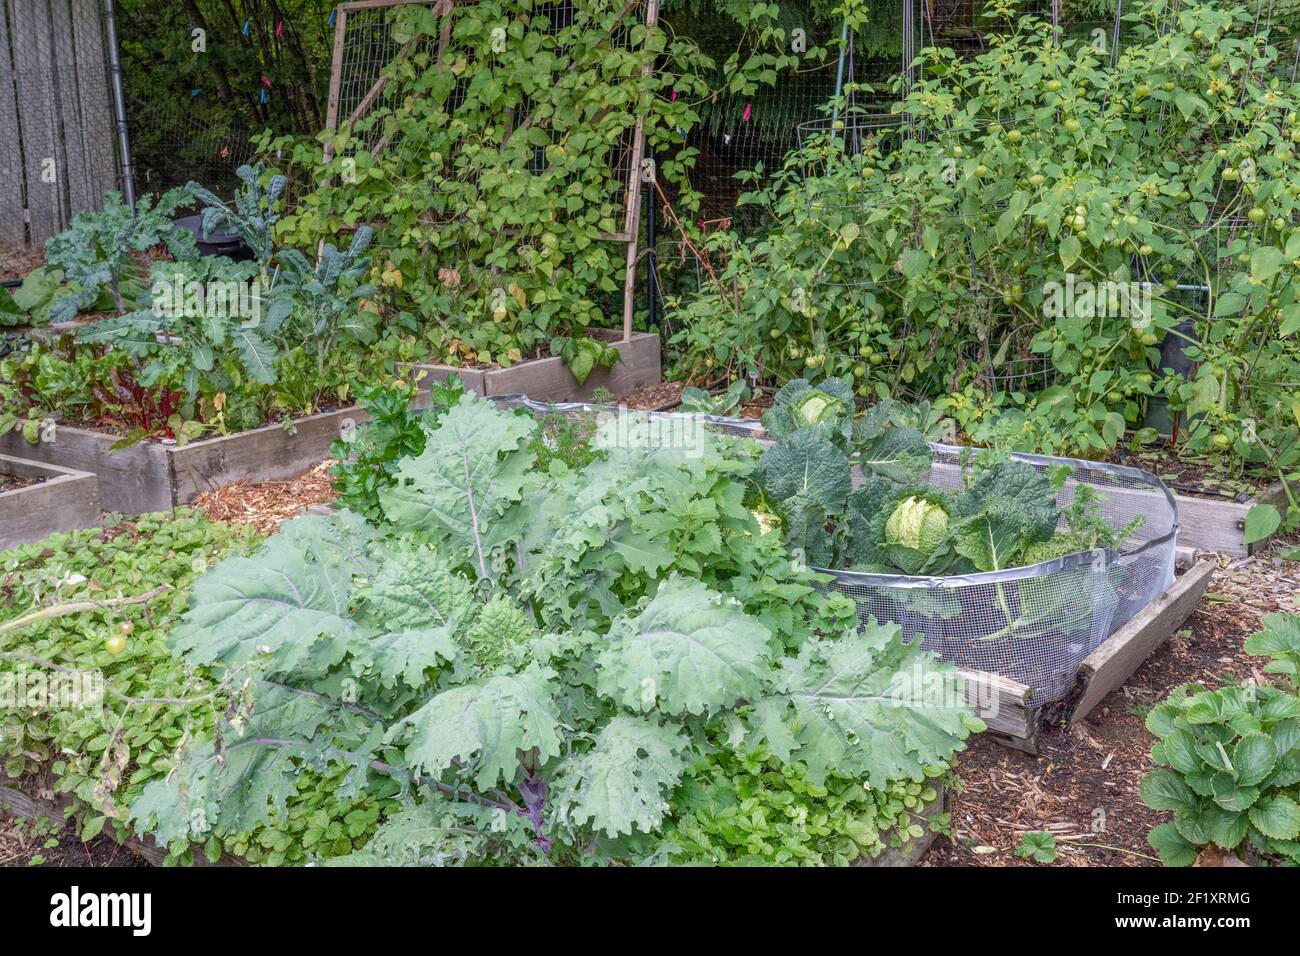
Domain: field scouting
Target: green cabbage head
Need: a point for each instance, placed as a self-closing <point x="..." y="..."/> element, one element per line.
<point x="817" y="407"/>
<point x="917" y="524"/>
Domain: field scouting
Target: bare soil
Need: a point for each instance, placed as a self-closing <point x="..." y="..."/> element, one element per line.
<point x="22" y="843"/>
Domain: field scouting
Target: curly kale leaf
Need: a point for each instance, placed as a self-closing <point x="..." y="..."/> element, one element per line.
<point x="690" y="651"/>
<point x="482" y="726"/>
<point x="866" y="704"/>
<point x="463" y="488"/>
<point x="289" y="599"/>
<point x="622" y="783"/>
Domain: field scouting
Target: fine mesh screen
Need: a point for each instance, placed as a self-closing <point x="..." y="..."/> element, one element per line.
<point x="1034" y="625"/>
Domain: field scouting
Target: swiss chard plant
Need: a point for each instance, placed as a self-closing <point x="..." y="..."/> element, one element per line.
<point x="521" y="719"/>
<point x="1228" y="760"/>
<point x="201" y="329"/>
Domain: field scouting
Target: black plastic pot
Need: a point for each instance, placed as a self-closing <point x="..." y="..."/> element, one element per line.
<point x="219" y="243"/>
<point x="1173" y="362"/>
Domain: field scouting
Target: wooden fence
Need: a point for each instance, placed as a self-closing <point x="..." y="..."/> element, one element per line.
<point x="58" y="151"/>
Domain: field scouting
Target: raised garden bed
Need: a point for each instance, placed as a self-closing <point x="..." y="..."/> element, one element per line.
<point x="49" y="499"/>
<point x="1219" y="524"/>
<point x="153" y="476"/>
<point x="549" y="379"/>
<point x="1005" y="705"/>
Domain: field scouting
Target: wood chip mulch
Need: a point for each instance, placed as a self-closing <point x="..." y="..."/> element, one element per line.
<point x="266" y="504"/>
<point x="1082" y="787"/>
<point x="654" y="398"/>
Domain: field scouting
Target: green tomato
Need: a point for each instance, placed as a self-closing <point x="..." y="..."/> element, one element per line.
<point x="1053" y="86"/>
<point x="1145" y="250"/>
<point x="1037" y="179"/>
<point x="1072" y="125"/>
<point x="1014" y="136"/>
<point x="1257" y="215"/>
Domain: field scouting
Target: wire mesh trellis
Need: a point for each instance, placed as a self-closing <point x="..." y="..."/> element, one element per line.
<point x="172" y="144"/>
<point x="369" y="41"/>
<point x="58" y="152"/>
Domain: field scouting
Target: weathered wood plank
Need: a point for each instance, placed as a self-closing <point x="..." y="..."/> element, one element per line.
<point x="549" y="379"/>
<point x="64" y="500"/>
<point x="16" y="800"/>
<point x="471" y="378"/>
<point x="1003" y="705"/>
<point x="1123" y="652"/>
<point x="132" y="481"/>
<point x="13" y="228"/>
<point x="33" y="63"/>
<point x="93" y="106"/>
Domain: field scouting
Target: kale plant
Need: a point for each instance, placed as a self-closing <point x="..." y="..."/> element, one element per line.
<point x="95" y="252"/>
<point x="538" y="688"/>
<point x="253" y="215"/>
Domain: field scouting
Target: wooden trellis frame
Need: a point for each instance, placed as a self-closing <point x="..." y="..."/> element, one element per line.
<point x="632" y="187"/>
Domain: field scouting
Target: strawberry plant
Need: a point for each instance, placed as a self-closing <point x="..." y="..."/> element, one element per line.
<point x="1228" y="760"/>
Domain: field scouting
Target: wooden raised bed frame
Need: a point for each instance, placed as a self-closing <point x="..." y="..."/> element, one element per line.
<point x="152" y="476"/>
<point x="16" y="799"/>
<point x="63" y="500"/>
<point x="1218" y="524"/>
<point x="549" y="379"/>
<point x="1014" y="723"/>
